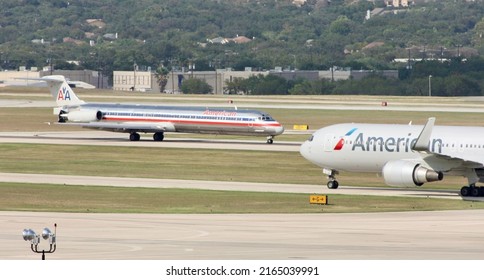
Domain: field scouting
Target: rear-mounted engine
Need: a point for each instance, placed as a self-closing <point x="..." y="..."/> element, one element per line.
<point x="80" y="116"/>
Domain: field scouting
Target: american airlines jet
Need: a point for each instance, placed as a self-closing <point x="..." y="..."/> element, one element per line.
<point x="132" y="119"/>
<point x="406" y="155"/>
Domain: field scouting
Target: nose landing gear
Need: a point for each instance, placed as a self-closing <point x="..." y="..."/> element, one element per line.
<point x="332" y="183"/>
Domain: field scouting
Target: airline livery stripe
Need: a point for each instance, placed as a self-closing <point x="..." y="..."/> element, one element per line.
<point x="193" y="122"/>
<point x="351" y="132"/>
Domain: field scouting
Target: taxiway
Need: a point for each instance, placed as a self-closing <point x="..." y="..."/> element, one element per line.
<point x="443" y="235"/>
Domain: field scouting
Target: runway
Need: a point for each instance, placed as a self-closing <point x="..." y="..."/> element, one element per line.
<point x="444" y="235"/>
<point x="101" y="138"/>
<point x="465" y="104"/>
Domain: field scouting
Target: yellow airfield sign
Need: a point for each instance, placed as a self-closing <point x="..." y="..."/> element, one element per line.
<point x="318" y="199"/>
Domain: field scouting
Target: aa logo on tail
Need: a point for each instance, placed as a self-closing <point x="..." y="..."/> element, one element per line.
<point x="64" y="94"/>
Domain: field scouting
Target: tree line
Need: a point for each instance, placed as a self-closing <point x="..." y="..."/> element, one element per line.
<point x="173" y="34"/>
<point x="454" y="78"/>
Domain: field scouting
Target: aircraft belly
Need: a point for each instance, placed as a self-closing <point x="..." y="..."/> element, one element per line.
<point x="219" y="129"/>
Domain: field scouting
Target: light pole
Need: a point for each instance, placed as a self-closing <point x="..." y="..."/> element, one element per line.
<point x="135" y="67"/>
<point x="29" y="235"/>
<point x="430" y="85"/>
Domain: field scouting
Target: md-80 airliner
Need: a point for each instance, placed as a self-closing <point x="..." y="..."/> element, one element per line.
<point x="406" y="155"/>
<point x="132" y="119"/>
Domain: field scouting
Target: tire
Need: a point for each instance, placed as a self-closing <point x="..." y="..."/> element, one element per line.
<point x="475" y="191"/>
<point x="465" y="191"/>
<point x="481" y="191"/>
<point x="333" y="184"/>
<point x="134" y="137"/>
<point x="158" y="136"/>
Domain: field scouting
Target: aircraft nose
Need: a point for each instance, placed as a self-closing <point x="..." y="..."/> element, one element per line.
<point x="305" y="150"/>
<point x="279" y="130"/>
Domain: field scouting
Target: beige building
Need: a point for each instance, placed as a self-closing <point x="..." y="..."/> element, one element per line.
<point x="134" y="81"/>
<point x="400" y="3"/>
<point x="12" y="77"/>
<point x="216" y="79"/>
<point x="146" y="81"/>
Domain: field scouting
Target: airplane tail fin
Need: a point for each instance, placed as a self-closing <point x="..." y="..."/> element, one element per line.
<point x="61" y="91"/>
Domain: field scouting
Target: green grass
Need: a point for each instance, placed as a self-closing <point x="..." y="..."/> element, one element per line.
<point x="57" y="198"/>
<point x="171" y="163"/>
<point x="164" y="163"/>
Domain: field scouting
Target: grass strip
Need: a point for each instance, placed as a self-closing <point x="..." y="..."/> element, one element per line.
<point x="87" y="199"/>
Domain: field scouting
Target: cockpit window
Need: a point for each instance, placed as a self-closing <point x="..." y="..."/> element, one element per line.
<point x="267" y="118"/>
<point x="311" y="138"/>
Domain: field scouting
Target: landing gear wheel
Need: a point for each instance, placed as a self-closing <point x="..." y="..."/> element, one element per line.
<point x="270" y="141"/>
<point x="481" y="191"/>
<point x="134" y="136"/>
<point x="475" y="191"/>
<point x="465" y="191"/>
<point x="333" y="184"/>
<point x="158" y="136"/>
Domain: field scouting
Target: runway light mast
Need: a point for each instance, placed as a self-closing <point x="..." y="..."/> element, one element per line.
<point x="30" y="235"/>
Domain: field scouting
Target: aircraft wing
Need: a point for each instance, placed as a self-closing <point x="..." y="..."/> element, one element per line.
<point x="467" y="159"/>
<point x="128" y="126"/>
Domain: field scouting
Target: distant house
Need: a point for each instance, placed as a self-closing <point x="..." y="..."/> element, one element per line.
<point x="96" y="22"/>
<point x="241" y="40"/>
<point x="38" y="41"/>
<point x="238" y="40"/>
<point x="373" y="45"/>
<point x="110" y="36"/>
<point x="218" y="40"/>
<point x="299" y="3"/>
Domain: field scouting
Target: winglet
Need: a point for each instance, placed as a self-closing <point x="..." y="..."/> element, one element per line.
<point x="423" y="140"/>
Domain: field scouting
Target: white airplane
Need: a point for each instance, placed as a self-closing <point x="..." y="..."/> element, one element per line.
<point x="406" y="155"/>
<point x="132" y="118"/>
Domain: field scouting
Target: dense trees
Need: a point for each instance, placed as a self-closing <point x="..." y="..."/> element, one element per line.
<point x="454" y="78"/>
<point x="197" y="86"/>
<point x="174" y="33"/>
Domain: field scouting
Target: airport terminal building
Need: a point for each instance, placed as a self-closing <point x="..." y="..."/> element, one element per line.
<point x="146" y="81"/>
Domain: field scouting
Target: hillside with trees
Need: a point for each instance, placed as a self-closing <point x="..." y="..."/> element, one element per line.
<point x="447" y="35"/>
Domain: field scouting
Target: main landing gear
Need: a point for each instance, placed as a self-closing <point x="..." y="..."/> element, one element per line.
<point x="158" y="136"/>
<point x="472" y="190"/>
<point x="134" y="136"/>
<point x="270" y="139"/>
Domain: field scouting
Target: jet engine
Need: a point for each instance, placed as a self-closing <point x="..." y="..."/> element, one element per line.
<point x="402" y="173"/>
<point x="80" y="116"/>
